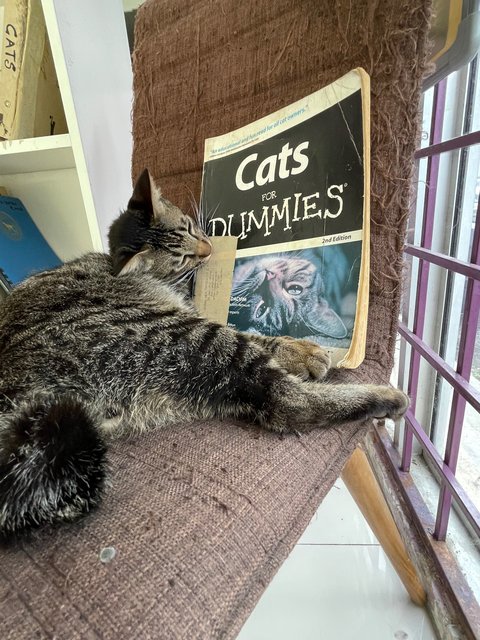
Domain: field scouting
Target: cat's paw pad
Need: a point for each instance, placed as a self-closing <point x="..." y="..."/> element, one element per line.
<point x="389" y="403"/>
<point x="302" y="358"/>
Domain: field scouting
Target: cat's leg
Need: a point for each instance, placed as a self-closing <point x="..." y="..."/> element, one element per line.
<point x="350" y="403"/>
<point x="302" y="358"/>
<point x="216" y="372"/>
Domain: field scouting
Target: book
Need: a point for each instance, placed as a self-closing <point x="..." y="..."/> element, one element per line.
<point x="31" y="104"/>
<point x="23" y="249"/>
<point x="292" y="191"/>
<point x="5" y="285"/>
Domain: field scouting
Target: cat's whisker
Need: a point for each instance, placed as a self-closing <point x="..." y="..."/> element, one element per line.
<point x="184" y="277"/>
<point x="245" y="287"/>
<point x="195" y="206"/>
<point x="208" y="217"/>
<point x="201" y="219"/>
<point x="248" y="281"/>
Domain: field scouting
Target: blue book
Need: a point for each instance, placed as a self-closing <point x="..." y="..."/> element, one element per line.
<point x="23" y="249"/>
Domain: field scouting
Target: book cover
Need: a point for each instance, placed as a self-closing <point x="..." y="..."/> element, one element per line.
<point x="293" y="188"/>
<point x="5" y="285"/>
<point x="23" y="249"/>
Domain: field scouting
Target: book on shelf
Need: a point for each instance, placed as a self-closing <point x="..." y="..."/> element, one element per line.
<point x="287" y="199"/>
<point x="5" y="285"/>
<point x="30" y="104"/>
<point x="23" y="249"/>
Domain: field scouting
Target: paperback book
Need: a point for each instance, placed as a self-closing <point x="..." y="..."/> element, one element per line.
<point x="287" y="199"/>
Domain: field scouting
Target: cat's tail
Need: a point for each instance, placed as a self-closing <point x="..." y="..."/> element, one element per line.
<point x="52" y="463"/>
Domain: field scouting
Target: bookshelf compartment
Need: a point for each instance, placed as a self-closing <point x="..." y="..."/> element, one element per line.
<point x="54" y="201"/>
<point x="74" y="184"/>
<point x="36" y="154"/>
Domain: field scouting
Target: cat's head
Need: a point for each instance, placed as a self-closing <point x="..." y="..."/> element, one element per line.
<point x="155" y="236"/>
<point x="284" y="296"/>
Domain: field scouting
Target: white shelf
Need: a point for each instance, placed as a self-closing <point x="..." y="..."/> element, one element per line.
<point x="75" y="185"/>
<point x="36" y="154"/>
<point x="54" y="200"/>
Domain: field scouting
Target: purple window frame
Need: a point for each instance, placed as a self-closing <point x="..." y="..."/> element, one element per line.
<point x="458" y="378"/>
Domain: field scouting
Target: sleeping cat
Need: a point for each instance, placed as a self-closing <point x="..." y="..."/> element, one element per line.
<point x="284" y="295"/>
<point x="110" y="344"/>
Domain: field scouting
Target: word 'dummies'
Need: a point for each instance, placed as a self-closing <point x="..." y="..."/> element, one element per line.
<point x="292" y="210"/>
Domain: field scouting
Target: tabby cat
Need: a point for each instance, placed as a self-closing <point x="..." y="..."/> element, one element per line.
<point x="110" y="344"/>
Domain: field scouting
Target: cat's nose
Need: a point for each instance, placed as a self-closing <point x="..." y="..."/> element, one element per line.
<point x="204" y="249"/>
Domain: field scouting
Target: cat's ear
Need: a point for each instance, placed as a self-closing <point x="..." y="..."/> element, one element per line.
<point x="147" y="197"/>
<point x="140" y="262"/>
<point x="326" y="321"/>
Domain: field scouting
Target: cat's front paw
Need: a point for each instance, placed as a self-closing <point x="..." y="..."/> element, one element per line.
<point x="387" y="402"/>
<point x="302" y="358"/>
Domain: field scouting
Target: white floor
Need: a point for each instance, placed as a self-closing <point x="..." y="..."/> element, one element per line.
<point x="337" y="584"/>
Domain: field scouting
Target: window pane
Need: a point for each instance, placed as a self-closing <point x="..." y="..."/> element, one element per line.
<point x="456" y="96"/>
<point x="459" y="539"/>
<point x="468" y="469"/>
<point x="474" y="68"/>
<point x="426" y="118"/>
<point x="452" y="316"/>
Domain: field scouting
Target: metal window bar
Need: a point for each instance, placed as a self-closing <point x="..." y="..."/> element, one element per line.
<point x="426" y="242"/>
<point x="460" y="142"/>
<point x="464" y="368"/>
<point x="470" y="315"/>
<point x="458" y="378"/>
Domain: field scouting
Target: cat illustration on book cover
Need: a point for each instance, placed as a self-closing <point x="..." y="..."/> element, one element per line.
<point x="309" y="293"/>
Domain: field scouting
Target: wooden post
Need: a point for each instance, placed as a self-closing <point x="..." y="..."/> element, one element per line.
<point x="364" y="489"/>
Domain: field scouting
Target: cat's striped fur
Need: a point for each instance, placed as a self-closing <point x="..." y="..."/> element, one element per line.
<point x="108" y="345"/>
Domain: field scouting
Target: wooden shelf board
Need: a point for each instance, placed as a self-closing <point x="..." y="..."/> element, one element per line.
<point x="36" y="154"/>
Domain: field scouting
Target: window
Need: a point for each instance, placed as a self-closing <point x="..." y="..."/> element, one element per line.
<point x="439" y="352"/>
